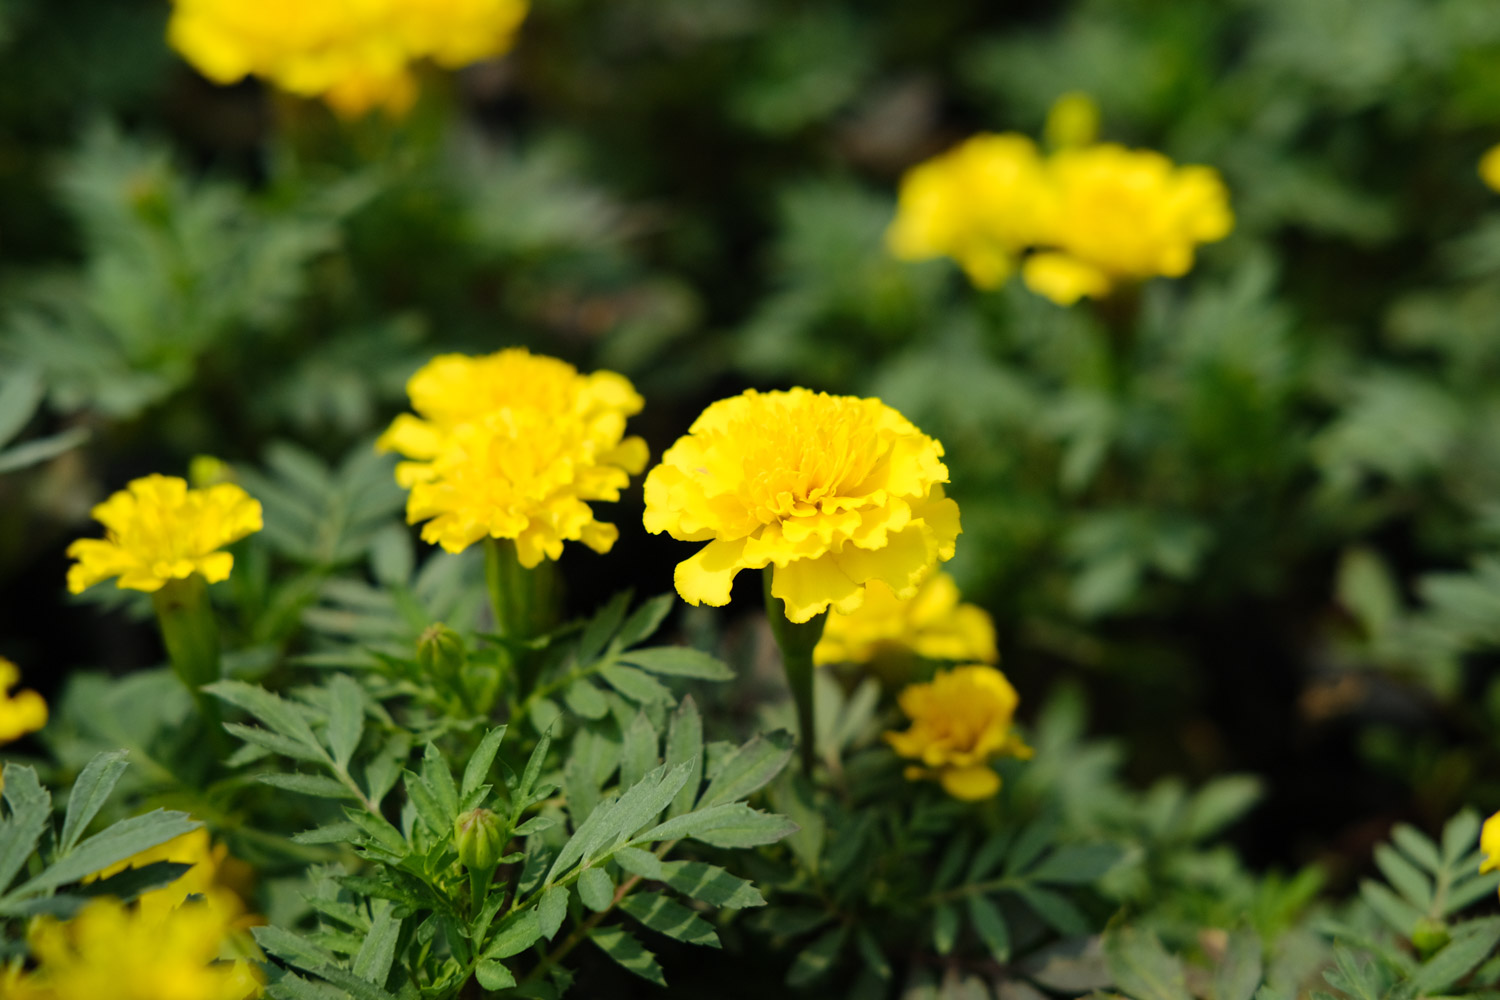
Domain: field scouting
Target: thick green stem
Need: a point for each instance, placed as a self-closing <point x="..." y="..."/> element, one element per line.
<point x="797" y="642"/>
<point x="191" y="634"/>
<point x="521" y="600"/>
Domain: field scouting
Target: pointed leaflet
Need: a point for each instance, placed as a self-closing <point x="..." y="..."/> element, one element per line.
<point x="645" y="620"/>
<point x="109" y="846"/>
<point x="480" y="761"/>
<point x="346" y="718"/>
<point x="618" y="944"/>
<point x="595" y="889"/>
<point x="669" y="917"/>
<point x="749" y="768"/>
<point x="730" y="825"/>
<point x="90" y="791"/>
<point x="685" y="744"/>
<point x="281" y="716"/>
<point x="679" y="661"/>
<point x="637" y="750"/>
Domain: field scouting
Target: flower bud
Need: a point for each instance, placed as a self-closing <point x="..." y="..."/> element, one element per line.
<point x="477" y="834"/>
<point x="440" y="651"/>
<point x="1429" y="936"/>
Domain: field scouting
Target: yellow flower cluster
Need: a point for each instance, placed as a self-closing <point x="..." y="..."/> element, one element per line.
<point x="960" y="721"/>
<point x="932" y="623"/>
<point x="157" y="529"/>
<point x="1086" y="219"/>
<point x="1489" y="168"/>
<point x="355" y="54"/>
<point x="834" y="491"/>
<point x="1489" y="843"/>
<point x="20" y="713"/>
<point x="512" y="445"/>
<point x="164" y="946"/>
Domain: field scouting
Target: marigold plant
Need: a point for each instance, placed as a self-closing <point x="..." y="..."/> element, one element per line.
<point x="932" y="624"/>
<point x="514" y="445"/>
<point x="833" y="491"/>
<point x="960" y="721"/>
<point x="355" y="54"/>
<point x="157" y="530"/>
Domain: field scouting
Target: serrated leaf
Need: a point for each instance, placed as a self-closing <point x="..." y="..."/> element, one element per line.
<point x="700" y="880"/>
<point x="601" y="627"/>
<point x="130" y="883"/>
<point x="749" y="769"/>
<point x="815" y="961"/>
<point x="678" y="661"/>
<point x="1401" y="873"/>
<point x="535" y="824"/>
<point x="685" y="745"/>
<point x="315" y="785"/>
<point x="516" y="933"/>
<point x="552" y="910"/>
<point x="646" y="619"/>
<point x="439" y="780"/>
<point x="279" y="715"/>
<point x="1220" y="803"/>
<point x="595" y="889"/>
<point x="585" y="700"/>
<point x="1055" y="909"/>
<point x="480" y="761"/>
<point x="378" y="950"/>
<point x="989" y="924"/>
<point x="1471" y="944"/>
<point x="532" y="772"/>
<point x="1459" y="835"/>
<point x="730" y="825"/>
<point x="1417" y="846"/>
<point x="346" y="718"/>
<point x="1142" y="968"/>
<point x="637" y="750"/>
<point x="30" y="810"/>
<point x="265" y="739"/>
<point x="492" y="975"/>
<point x="1076" y="864"/>
<point x="667" y="916"/>
<point x="636" y="685"/>
<point x="1394" y="910"/>
<point x="626" y="951"/>
<point x="90" y="792"/>
<point x="944" y="928"/>
<point x="1238" y="974"/>
<point x="109" y="846"/>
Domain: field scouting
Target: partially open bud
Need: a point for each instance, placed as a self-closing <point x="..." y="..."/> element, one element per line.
<point x="440" y="651"/>
<point x="478" y="836"/>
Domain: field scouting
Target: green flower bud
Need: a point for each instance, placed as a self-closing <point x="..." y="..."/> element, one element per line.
<point x="440" y="651"/>
<point x="478" y="835"/>
<point x="1429" y="936"/>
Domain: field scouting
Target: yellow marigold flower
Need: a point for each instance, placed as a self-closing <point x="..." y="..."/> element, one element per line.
<point x="930" y="624"/>
<point x="1489" y="167"/>
<point x="156" y="530"/>
<point x="959" y="723"/>
<point x="834" y="491"/>
<point x="1120" y="214"/>
<point x="511" y="445"/>
<point x="1489" y="843"/>
<point x="979" y="203"/>
<point x="355" y="54"/>
<point x="125" y="952"/>
<point x="212" y="877"/>
<point x="20" y="713"/>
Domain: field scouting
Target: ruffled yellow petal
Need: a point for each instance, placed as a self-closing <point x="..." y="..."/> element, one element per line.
<point x="886" y="630"/>
<point x="1489" y="843"/>
<point x="1489" y="168"/>
<point x="1064" y="279"/>
<point x="20" y="713"/>
<point x="971" y="784"/>
<point x="960" y="721"/>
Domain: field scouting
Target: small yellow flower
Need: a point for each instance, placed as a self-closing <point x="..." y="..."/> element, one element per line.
<point x="1073" y="121"/>
<point x="979" y="203"/>
<point x="959" y="723"/>
<point x="834" y="491"/>
<point x="1489" y="168"/>
<point x="1489" y="843"/>
<point x="512" y="445"/>
<point x="125" y="952"/>
<point x="930" y="624"/>
<point x="20" y="713"/>
<point x="355" y="54"/>
<point x="156" y="530"/>
<point x="1122" y="214"/>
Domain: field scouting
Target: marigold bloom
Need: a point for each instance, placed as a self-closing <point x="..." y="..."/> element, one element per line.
<point x="1489" y="843"/>
<point x="125" y="952"/>
<point x="834" y="491"/>
<point x="20" y="713"/>
<point x="1489" y="167"/>
<point x="211" y="877"/>
<point x="512" y="445"/>
<point x="156" y="530"/>
<point x="930" y="624"/>
<point x="959" y="723"/>
<point x="1120" y="214"/>
<point x="355" y="54"/>
<point x="979" y="203"/>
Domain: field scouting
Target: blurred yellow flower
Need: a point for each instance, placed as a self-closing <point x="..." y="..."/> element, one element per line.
<point x="512" y="445"/>
<point x="213" y="877"/>
<point x="157" y="529"/>
<point x="1489" y="843"/>
<point x="20" y="713"/>
<point x="960" y="721"/>
<point x="110" y="949"/>
<point x="1122" y="214"/>
<point x="1489" y="167"/>
<point x="834" y="491"/>
<point x="930" y="624"/>
<point x="355" y="54"/>
<point x="1073" y="121"/>
<point x="978" y="203"/>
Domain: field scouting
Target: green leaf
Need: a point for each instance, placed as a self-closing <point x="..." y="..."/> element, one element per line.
<point x="814" y="961"/>
<point x="21" y="393"/>
<point x="989" y="924"/>
<point x="90" y="791"/>
<point x="533" y="771"/>
<point x="944" y="928"/>
<point x="346" y="718"/>
<point x="516" y="933"/>
<point x="623" y="948"/>
<point x="480" y="761"/>
<point x="1076" y="864"/>
<point x="685" y="745"/>
<point x="276" y="743"/>
<point x="749" y="769"/>
<point x="1220" y="803"/>
<point x="1239" y="972"/>
<point x="601" y="627"/>
<point x="439" y="779"/>
<point x="292" y="948"/>
<point x="636" y="685"/>
<point x="111" y="845"/>
<point x="637" y="751"/>
<point x="646" y="619"/>
<point x="315" y="785"/>
<point x="731" y="825"/>
<point x="30" y="810"/>
<point x="378" y="950"/>
<point x="1394" y="910"/>
<point x="493" y="976"/>
<point x="1471" y="944"/>
<point x="1054" y="908"/>
<point x="41" y="449"/>
<point x="667" y="916"/>
<point x="1411" y="883"/>
<point x="585" y="700"/>
<point x="552" y="910"/>
<point x="279" y="715"/>
<point x="1459" y="835"/>
<point x="709" y="883"/>
<point x="130" y="883"/>
<point x="595" y="889"/>
<point x="1417" y="846"/>
<point x="1142" y="968"/>
<point x="679" y="661"/>
<point x="869" y="951"/>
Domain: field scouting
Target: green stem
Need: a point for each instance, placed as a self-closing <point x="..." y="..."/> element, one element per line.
<point x="797" y="642"/>
<point x="521" y="600"/>
<point x="191" y="634"/>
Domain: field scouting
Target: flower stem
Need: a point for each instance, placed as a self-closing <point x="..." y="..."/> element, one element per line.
<point x="521" y="600"/>
<point x="191" y="634"/>
<point x="797" y="642"/>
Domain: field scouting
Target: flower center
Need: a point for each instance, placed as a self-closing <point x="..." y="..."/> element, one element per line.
<point x="810" y="454"/>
